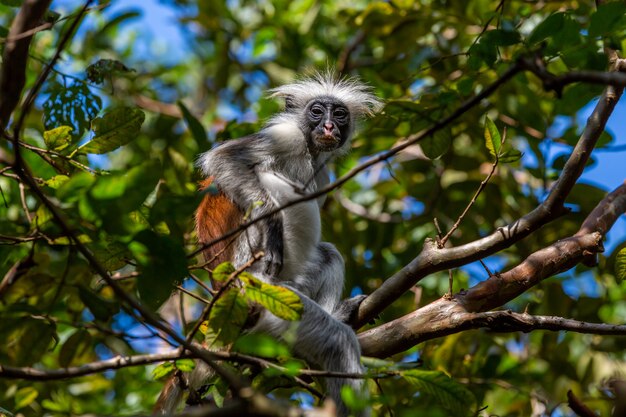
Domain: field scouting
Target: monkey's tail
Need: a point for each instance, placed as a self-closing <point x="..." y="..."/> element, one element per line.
<point x="170" y="397"/>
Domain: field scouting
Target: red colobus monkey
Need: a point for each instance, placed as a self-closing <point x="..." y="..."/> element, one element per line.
<point x="280" y="163"/>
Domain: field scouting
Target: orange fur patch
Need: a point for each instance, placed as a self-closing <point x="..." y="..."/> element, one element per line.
<point x="215" y="216"/>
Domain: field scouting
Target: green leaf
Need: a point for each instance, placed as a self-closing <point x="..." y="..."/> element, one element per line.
<point x="280" y="301"/>
<point x="25" y="396"/>
<point x="70" y="105"/>
<point x="620" y="265"/>
<point x="163" y="370"/>
<point x="227" y="318"/>
<point x="163" y="264"/>
<point x="446" y="391"/>
<point x="59" y="138"/>
<point x="493" y="140"/>
<point x="606" y="18"/>
<point x="185" y="365"/>
<point x="105" y="68"/>
<point x="101" y="308"/>
<point x="196" y="128"/>
<point x="12" y="3"/>
<point x="222" y="271"/>
<point x="550" y="26"/>
<point x="115" y="128"/>
<point x="262" y="345"/>
<point x="57" y="181"/>
<point x="436" y="145"/>
<point x="512" y="155"/>
<point x="75" y="346"/>
<point x="34" y="339"/>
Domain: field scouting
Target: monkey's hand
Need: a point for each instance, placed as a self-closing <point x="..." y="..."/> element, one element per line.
<point x="348" y="310"/>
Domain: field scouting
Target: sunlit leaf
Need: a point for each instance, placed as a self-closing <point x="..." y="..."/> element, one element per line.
<point x="493" y="140"/>
<point x="280" y="301"/>
<point x="222" y="271"/>
<point x="25" y="396"/>
<point x="185" y="365"/>
<point x="59" y="138"/>
<point x="227" y="318"/>
<point x="163" y="370"/>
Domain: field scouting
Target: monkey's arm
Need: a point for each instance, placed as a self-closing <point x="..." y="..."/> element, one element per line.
<point x="232" y="166"/>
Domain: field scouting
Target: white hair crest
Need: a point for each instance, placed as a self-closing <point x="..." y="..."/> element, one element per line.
<point x="357" y="96"/>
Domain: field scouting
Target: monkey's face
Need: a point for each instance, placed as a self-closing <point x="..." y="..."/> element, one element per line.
<point x="328" y="121"/>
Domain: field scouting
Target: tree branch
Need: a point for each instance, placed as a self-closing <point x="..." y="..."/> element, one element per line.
<point x="15" y="56"/>
<point x="118" y="362"/>
<point x="433" y="259"/>
<point x="443" y="317"/>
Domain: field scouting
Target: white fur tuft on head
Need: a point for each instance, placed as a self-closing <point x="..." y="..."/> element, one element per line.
<point x="357" y="96"/>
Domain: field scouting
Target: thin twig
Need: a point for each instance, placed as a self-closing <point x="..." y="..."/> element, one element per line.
<point x="481" y="187"/>
<point x="231" y="278"/>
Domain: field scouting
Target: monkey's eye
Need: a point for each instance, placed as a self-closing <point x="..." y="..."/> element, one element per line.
<point x="340" y="113"/>
<point x="317" y="111"/>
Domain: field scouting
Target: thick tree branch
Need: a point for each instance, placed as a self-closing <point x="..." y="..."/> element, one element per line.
<point x="15" y="56"/>
<point x="433" y="259"/>
<point x="444" y="317"/>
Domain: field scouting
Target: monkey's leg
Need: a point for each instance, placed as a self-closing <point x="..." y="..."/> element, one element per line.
<point x="323" y="342"/>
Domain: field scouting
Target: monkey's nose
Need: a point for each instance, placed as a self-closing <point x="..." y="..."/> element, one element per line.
<point x="328" y="128"/>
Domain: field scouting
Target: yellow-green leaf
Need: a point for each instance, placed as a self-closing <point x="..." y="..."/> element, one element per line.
<point x="226" y="319"/>
<point x="223" y="271"/>
<point x="163" y="370"/>
<point x="185" y="365"/>
<point x="493" y="141"/>
<point x="56" y="181"/>
<point x="25" y="396"/>
<point x="280" y="301"/>
<point x="59" y="138"/>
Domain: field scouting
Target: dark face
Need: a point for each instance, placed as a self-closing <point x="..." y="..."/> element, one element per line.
<point x="328" y="124"/>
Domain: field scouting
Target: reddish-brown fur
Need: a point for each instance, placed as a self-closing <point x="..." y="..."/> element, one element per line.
<point x="215" y="216"/>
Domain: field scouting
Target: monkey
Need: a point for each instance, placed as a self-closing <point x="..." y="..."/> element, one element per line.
<point x="250" y="177"/>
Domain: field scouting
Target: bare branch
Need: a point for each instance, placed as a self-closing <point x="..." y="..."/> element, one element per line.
<point x="443" y="317"/>
<point x="433" y="259"/>
<point x="35" y="374"/>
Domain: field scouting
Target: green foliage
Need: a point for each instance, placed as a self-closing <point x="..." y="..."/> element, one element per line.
<point x="105" y="68"/>
<point x="117" y="158"/>
<point x="446" y="391"/>
<point x="280" y="301"/>
<point x="226" y="319"/>
<point x="115" y="128"/>
<point x="72" y="106"/>
<point x="620" y="265"/>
